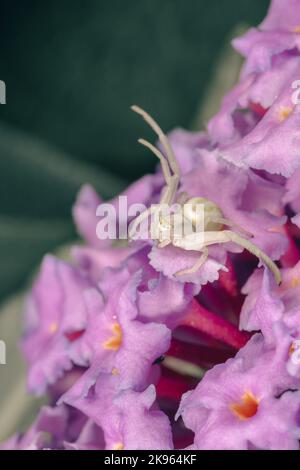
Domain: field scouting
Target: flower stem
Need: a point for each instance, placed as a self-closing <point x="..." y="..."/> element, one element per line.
<point x="201" y="319"/>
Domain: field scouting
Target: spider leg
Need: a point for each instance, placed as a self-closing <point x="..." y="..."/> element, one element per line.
<point x="198" y="240"/>
<point x="162" y="159"/>
<point x="167" y="198"/>
<point x="164" y="243"/>
<point x="234" y="237"/>
<point x="196" y="266"/>
<point x="228" y="223"/>
<point x="182" y="198"/>
<point x="171" y="180"/>
<point x="162" y="137"/>
<point x="137" y="221"/>
<point x="170" y="191"/>
<point x="169" y="164"/>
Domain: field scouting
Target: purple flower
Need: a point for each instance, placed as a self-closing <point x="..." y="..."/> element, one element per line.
<point x="119" y="343"/>
<point x="143" y="425"/>
<point x="93" y="261"/>
<point x="246" y="424"/>
<point x="72" y="322"/>
<point x="279" y="32"/>
<point x="268" y="101"/>
<point x="258" y="121"/>
<point x="292" y="195"/>
<point x="283" y="15"/>
<point x="136" y="350"/>
<point x="273" y="143"/>
<point x="247" y="103"/>
<point x="266" y="303"/>
<point x="275" y="312"/>
<point x="127" y="418"/>
<point x="56" y="313"/>
<point x="165" y="300"/>
<point x="90" y="438"/>
<point x="244" y="404"/>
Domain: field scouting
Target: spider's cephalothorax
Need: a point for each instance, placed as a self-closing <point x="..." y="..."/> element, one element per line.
<point x="212" y="232"/>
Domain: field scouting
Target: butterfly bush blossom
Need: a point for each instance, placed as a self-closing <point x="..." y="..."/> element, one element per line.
<point x="133" y="356"/>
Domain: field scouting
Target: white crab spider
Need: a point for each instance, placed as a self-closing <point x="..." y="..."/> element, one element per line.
<point x="213" y="218"/>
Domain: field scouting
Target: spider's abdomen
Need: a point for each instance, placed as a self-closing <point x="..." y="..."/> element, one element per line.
<point x="194" y="209"/>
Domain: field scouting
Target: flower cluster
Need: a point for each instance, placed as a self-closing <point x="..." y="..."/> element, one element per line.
<point x="135" y="356"/>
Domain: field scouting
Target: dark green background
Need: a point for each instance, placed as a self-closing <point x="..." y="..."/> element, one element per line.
<point x="72" y="69"/>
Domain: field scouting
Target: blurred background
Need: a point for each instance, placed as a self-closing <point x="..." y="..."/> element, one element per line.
<point x="72" y="69"/>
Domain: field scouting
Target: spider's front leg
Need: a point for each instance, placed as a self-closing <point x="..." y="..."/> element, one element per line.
<point x="170" y="171"/>
<point x="228" y="223"/>
<point x="197" y="241"/>
<point x="132" y="229"/>
<point x="193" y="269"/>
<point x="255" y="250"/>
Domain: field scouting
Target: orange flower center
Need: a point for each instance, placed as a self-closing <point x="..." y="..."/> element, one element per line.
<point x="284" y="113"/>
<point x="246" y="408"/>
<point x="295" y="346"/>
<point x="118" y="446"/>
<point x="292" y="349"/>
<point x="53" y="328"/>
<point x="296" y="29"/>
<point x="295" y="282"/>
<point x="114" y="342"/>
